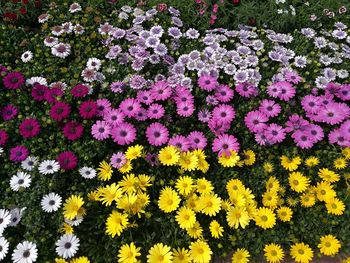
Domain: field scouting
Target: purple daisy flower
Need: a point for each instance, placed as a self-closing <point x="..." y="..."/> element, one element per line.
<point x="155" y="111"/>
<point x="18" y="153"/>
<point x="181" y="142"/>
<point x="337" y="137"/>
<point x="103" y="106"/>
<point x="185" y="109"/>
<point x="152" y="159"/>
<point x="67" y="160"/>
<point x="296" y="122"/>
<point x="39" y="92"/>
<point x="8" y="112"/>
<point x="3" y="137"/>
<point x="224" y="143"/>
<point x="124" y="133"/>
<point x="270" y="108"/>
<point x="218" y="128"/>
<point x="29" y="128"/>
<point x="141" y="114"/>
<point x="292" y="77"/>
<point x="157" y="134"/>
<point x="311" y="104"/>
<point x="207" y="82"/>
<point x="88" y="109"/>
<point x="343" y="92"/>
<point x="117" y="87"/>
<point x="130" y="107"/>
<point x="161" y="90"/>
<point x="303" y="139"/>
<point x="114" y="117"/>
<point x="275" y="133"/>
<point x="101" y="130"/>
<point x="224" y="113"/>
<point x="334" y="113"/>
<point x="247" y="89"/>
<point x="144" y="96"/>
<point x="224" y="93"/>
<point x="13" y="80"/>
<point x="255" y="121"/>
<point x="197" y="140"/>
<point x="315" y="132"/>
<point x="118" y="160"/>
<point x="204" y="115"/>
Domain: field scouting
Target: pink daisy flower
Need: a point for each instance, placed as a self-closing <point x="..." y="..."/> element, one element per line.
<point x="224" y="143"/>
<point x="296" y="122"/>
<point x="88" y="109"/>
<point x="161" y="90"/>
<point x="261" y="139"/>
<point x="67" y="160"/>
<point x="141" y="114"/>
<point x="302" y="139"/>
<point x="224" y="113"/>
<point x="18" y="153"/>
<point x="103" y="106"/>
<point x="292" y="77"/>
<point x="39" y="92"/>
<point x="3" y="137"/>
<point x="181" y="142"/>
<point x="275" y="133"/>
<point x="204" y="116"/>
<point x="185" y="109"/>
<point x="334" y="113"/>
<point x="207" y="82"/>
<point x="314" y="132"/>
<point x="157" y="134"/>
<point x="155" y="111"/>
<point x="100" y="130"/>
<point x="8" y="112"/>
<point x="197" y="140"/>
<point x="343" y="92"/>
<point x="247" y="89"/>
<point x="79" y="91"/>
<point x="29" y="128"/>
<point x="60" y="111"/>
<point x="118" y="160"/>
<point x="124" y="133"/>
<point x="337" y="137"/>
<point x="311" y="104"/>
<point x="130" y="107"/>
<point x="282" y="90"/>
<point x="73" y="130"/>
<point x="218" y="128"/>
<point x="255" y="121"/>
<point x="224" y="93"/>
<point x="114" y="117"/>
<point x="270" y="108"/>
<point x="144" y="96"/>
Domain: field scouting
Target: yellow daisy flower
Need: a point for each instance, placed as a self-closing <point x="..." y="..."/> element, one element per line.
<point x="216" y="229"/>
<point x="104" y="171"/>
<point x="301" y="253"/>
<point x="241" y="255"/>
<point x="160" y="253"/>
<point x="185" y="217"/>
<point x="129" y="183"/>
<point x="346" y="153"/>
<point x="73" y="206"/>
<point x="181" y="255"/>
<point x="195" y="231"/>
<point x="272" y="184"/>
<point x="268" y="167"/>
<point x="204" y="186"/>
<point x="133" y="152"/>
<point x="329" y="245"/>
<point x="328" y="175"/>
<point x="335" y="206"/>
<point x="128" y="253"/>
<point x="209" y="204"/>
<point x="307" y="200"/>
<point x="116" y="223"/>
<point x="340" y="163"/>
<point x="237" y="216"/>
<point x="284" y="213"/>
<point x="169" y="155"/>
<point x="265" y="218"/>
<point x="290" y="164"/>
<point x="270" y="199"/>
<point x="168" y="200"/>
<point x="298" y="182"/>
<point x="200" y="252"/>
<point x="126" y="168"/>
<point x="234" y="185"/>
<point x="80" y="260"/>
<point x="184" y="185"/>
<point x="324" y="191"/>
<point x="312" y="161"/>
<point x="248" y="157"/>
<point x="229" y="160"/>
<point x="109" y="194"/>
<point x="188" y="161"/>
<point x="273" y="253"/>
<point x="66" y="229"/>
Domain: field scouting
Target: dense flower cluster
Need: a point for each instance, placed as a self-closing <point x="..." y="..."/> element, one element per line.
<point x="173" y="145"/>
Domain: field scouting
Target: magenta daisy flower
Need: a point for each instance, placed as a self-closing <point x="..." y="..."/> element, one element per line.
<point x="207" y="82"/>
<point x="224" y="113"/>
<point x="88" y="109"/>
<point x="275" y="133"/>
<point x="8" y="112"/>
<point x="224" y="93"/>
<point x="161" y="90"/>
<point x="218" y="128"/>
<point x="118" y="160"/>
<point x="157" y="134"/>
<point x="311" y="104"/>
<point x="337" y="137"/>
<point x="152" y="159"/>
<point x="52" y="95"/>
<point x="155" y="111"/>
<point x="296" y="122"/>
<point x="261" y="139"/>
<point x="224" y="143"/>
<point x="247" y="89"/>
<point x="197" y="140"/>
<point x="344" y="129"/>
<point x="39" y="92"/>
<point x="60" y="111"/>
<point x="130" y="107"/>
<point x="3" y="137"/>
<point x="292" y="77"/>
<point x="79" y="91"/>
<point x="270" y="108"/>
<point x="117" y="87"/>
<point x="303" y="139"/>
<point x="255" y="121"/>
<point x="124" y="133"/>
<point x="183" y="95"/>
<point x="73" y="130"/>
<point x="103" y="106"/>
<point x="211" y="100"/>
<point x="114" y="117"/>
<point x="67" y="160"/>
<point x="334" y="113"/>
<point x="18" y="153"/>
<point x="29" y="128"/>
<point x="315" y="132"/>
<point x="181" y="142"/>
<point x="204" y="116"/>
<point x="185" y="109"/>
<point x="100" y="130"/>
<point x="144" y="96"/>
<point x="141" y="114"/>
<point x="282" y="90"/>
<point x="343" y="92"/>
<point x="13" y="80"/>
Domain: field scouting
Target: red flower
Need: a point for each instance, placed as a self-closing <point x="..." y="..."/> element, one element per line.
<point x="25" y="2"/>
<point x="23" y="10"/>
<point x="161" y="7"/>
<point x="11" y="16"/>
<point x="236" y="2"/>
<point x="37" y="3"/>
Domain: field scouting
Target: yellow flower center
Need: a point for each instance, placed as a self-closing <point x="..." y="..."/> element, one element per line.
<point x="327" y="244"/>
<point x="295" y="182"/>
<point x="264" y="218"/>
<point x="301" y="251"/>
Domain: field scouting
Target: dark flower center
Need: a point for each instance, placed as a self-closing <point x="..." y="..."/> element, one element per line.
<point x="67" y="245"/>
<point x="274" y="133"/>
<point x="196" y="140"/>
<point x="207" y="82"/>
<point x="123" y="133"/>
<point x="59" y="110"/>
<point x="29" y="127"/>
<point x="49" y="167"/>
<point x="26" y="253"/>
<point x="52" y="202"/>
<point x="101" y="130"/>
<point x="223" y="114"/>
<point x="157" y="134"/>
<point x="19" y="153"/>
<point x="269" y="108"/>
<point x="14" y="80"/>
<point x="303" y="138"/>
<point x="20" y="181"/>
<point x="311" y="104"/>
<point x="330" y="114"/>
<point x="313" y="132"/>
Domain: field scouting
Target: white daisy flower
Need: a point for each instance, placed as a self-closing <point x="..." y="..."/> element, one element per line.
<point x="300" y="61"/>
<point x="75" y="221"/>
<point x="67" y="27"/>
<point x="79" y="29"/>
<point x="36" y="80"/>
<point x="5" y="219"/>
<point x="123" y="15"/>
<point x="29" y="163"/>
<point x="51" y="202"/>
<point x="43" y="18"/>
<point x="87" y="172"/>
<point x="49" y="167"/>
<point x="75" y="7"/>
<point x="50" y="41"/>
<point x="88" y="74"/>
<point x="343" y="73"/>
<point x="93" y="63"/>
<point x="20" y="180"/>
<point x="1" y="151"/>
<point x="61" y="50"/>
<point x="16" y="216"/>
<point x="25" y="252"/>
<point x="4" y="247"/>
<point x="67" y="246"/>
<point x="27" y="56"/>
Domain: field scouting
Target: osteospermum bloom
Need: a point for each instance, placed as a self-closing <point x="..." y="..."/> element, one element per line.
<point x="325" y="191"/>
<point x="216" y="229"/>
<point x="88" y="109"/>
<point x="273" y="253"/>
<point x="298" y="182"/>
<point x="128" y="253"/>
<point x="18" y="153"/>
<point x="207" y="82"/>
<point x="224" y="143"/>
<point x="184" y="185"/>
<point x="223" y="114"/>
<point x="188" y="161"/>
<point x="13" y="80"/>
<point x="157" y="134"/>
<point x="20" y="181"/>
<point x="335" y="206"/>
<point x="8" y="112"/>
<point x="255" y="121"/>
<point x="160" y="253"/>
<point x="104" y="171"/>
<point x="73" y="130"/>
<point x="29" y="128"/>
<point x="328" y="175"/>
<point x="329" y="245"/>
<point x="25" y="252"/>
<point x="180" y="142"/>
<point x="181" y="255"/>
<point x="168" y="200"/>
<point x="51" y="202"/>
<point x="265" y="218"/>
<point x="301" y="252"/>
<point x="59" y="111"/>
<point x="116" y="223"/>
<point x="230" y="159"/>
<point x="197" y="140"/>
<point x="79" y="91"/>
<point x="124" y="133"/>
<point x="185" y="217"/>
<point x="237" y="217"/>
<point x="67" y="246"/>
<point x="101" y="130"/>
<point x="73" y="206"/>
<point x="4" y="244"/>
<point x="246" y="89"/>
<point x="200" y="251"/>
<point x="270" y="108"/>
<point x="290" y="164"/>
<point x="284" y="213"/>
<point x="241" y="255"/>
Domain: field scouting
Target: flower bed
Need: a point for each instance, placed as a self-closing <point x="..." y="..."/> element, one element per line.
<point x="167" y="143"/>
